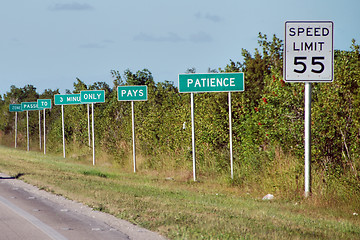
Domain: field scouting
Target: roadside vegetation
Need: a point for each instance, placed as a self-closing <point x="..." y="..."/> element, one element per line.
<point x="268" y="123"/>
<point x="179" y="208"/>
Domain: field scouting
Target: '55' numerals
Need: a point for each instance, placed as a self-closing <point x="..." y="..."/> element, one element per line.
<point x="301" y="61"/>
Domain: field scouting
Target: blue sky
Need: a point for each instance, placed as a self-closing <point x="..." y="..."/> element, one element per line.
<point x="49" y="43"/>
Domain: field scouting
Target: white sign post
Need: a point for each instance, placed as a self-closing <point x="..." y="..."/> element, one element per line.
<point x="133" y="93"/>
<point x="67" y="99"/>
<point x="88" y="119"/>
<point x="193" y="135"/>
<point x="40" y="129"/>
<point x="211" y="82"/>
<point x="84" y="97"/>
<point x="44" y="121"/>
<point x="308" y="57"/>
<point x="43" y="104"/>
<point x="63" y="129"/>
<point x="16" y="129"/>
<point x="27" y="131"/>
<point x="92" y="96"/>
<point x="230" y="136"/>
<point x="93" y="131"/>
<point x="133" y="134"/>
<point x="28" y="106"/>
<point x="15" y="108"/>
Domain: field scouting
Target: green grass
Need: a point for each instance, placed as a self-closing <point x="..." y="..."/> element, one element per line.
<point x="177" y="208"/>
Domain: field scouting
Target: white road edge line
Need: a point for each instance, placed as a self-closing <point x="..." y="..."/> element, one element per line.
<point x="52" y="233"/>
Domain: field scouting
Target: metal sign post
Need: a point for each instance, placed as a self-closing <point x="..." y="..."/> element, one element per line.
<point x="307" y="133"/>
<point x="43" y="104"/>
<point x="308" y="57"/>
<point x="92" y="96"/>
<point x="15" y="129"/>
<point x="15" y="108"/>
<point x="133" y="93"/>
<point x="65" y="99"/>
<point x="40" y="129"/>
<point x="28" y="106"/>
<point x="93" y="131"/>
<point x="133" y="134"/>
<point x="27" y="131"/>
<point x="193" y="135"/>
<point x="211" y="82"/>
<point x="88" y="118"/>
<point x="44" y="131"/>
<point x="230" y="134"/>
<point x="63" y="129"/>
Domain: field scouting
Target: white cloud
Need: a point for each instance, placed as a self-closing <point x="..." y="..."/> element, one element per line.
<point x="102" y="44"/>
<point x="208" y="16"/>
<point x="211" y="17"/>
<point x="199" y="37"/>
<point x="91" y="45"/>
<point x="170" y="37"/>
<point x="74" y="6"/>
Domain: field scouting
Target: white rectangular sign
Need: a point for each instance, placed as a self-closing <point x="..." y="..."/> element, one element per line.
<point x="308" y="52"/>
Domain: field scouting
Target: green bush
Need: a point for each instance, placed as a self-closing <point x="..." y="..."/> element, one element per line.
<point x="267" y="119"/>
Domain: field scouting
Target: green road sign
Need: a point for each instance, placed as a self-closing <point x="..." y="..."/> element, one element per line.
<point x="132" y="93"/>
<point x="29" y="106"/>
<point x="211" y="82"/>
<point x="67" y="99"/>
<point x="44" y="103"/>
<point x="92" y="96"/>
<point x="15" y="108"/>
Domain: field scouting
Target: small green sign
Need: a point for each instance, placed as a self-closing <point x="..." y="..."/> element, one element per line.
<point x="29" y="106"/>
<point x="44" y="103"/>
<point x="132" y="93"/>
<point x="211" y="82"/>
<point x="67" y="99"/>
<point x="92" y="96"/>
<point x="15" y="108"/>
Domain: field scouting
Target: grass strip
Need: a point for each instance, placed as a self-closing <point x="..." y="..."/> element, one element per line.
<point x="178" y="209"/>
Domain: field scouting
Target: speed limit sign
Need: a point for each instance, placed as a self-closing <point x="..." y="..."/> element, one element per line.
<point x="309" y="52"/>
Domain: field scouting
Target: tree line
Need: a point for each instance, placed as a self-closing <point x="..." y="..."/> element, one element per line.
<point x="267" y="118"/>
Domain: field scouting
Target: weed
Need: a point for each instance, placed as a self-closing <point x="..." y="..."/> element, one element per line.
<point x="94" y="172"/>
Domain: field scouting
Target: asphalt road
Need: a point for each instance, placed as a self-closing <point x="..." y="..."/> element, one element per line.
<point x="29" y="213"/>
